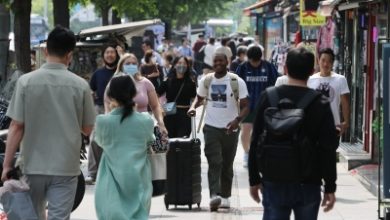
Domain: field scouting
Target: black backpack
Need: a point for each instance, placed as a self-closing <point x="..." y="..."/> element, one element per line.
<point x="285" y="153"/>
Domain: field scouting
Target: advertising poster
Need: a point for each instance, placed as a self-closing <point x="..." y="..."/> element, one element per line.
<point x="274" y="34"/>
<point x="309" y="15"/>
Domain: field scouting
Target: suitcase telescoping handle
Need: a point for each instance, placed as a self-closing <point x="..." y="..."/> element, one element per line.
<point x="193" y="128"/>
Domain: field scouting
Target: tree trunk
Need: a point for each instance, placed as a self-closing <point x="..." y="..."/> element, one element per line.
<point x="115" y="19"/>
<point x="168" y="28"/>
<point x="4" y="41"/>
<point x="22" y="11"/>
<point x="61" y="12"/>
<point x="105" y="10"/>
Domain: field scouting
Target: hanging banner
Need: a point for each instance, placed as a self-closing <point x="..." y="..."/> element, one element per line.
<point x="309" y="15"/>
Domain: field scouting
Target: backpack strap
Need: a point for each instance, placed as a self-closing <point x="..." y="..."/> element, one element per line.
<point x="207" y="83"/>
<point x="308" y="98"/>
<point x="234" y="85"/>
<point x="273" y="97"/>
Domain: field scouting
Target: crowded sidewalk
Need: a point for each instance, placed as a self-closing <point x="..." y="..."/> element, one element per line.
<point x="353" y="200"/>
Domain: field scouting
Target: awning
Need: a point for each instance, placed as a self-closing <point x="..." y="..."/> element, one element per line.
<point x="354" y="4"/>
<point x="119" y="29"/>
<point x="257" y="5"/>
<point x="326" y="7"/>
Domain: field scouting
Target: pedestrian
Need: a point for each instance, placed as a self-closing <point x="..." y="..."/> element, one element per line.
<point x="146" y="46"/>
<point x="198" y="51"/>
<point x="225" y="49"/>
<point x="200" y="42"/>
<point x="333" y="86"/>
<point x="209" y="52"/>
<point x="233" y="48"/>
<point x="168" y="60"/>
<point x="98" y="83"/>
<point x="281" y="80"/>
<point x="258" y="74"/>
<point x="179" y="88"/>
<point x="227" y="105"/>
<point x="185" y="49"/>
<point x="286" y="186"/>
<point x="49" y="109"/>
<point x="124" y="184"/>
<point x="193" y="73"/>
<point x="146" y="93"/>
<point x="241" y="57"/>
<point x="151" y="70"/>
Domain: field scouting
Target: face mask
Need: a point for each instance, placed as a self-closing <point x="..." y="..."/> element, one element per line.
<point x="181" y="69"/>
<point x="154" y="59"/>
<point x="130" y="69"/>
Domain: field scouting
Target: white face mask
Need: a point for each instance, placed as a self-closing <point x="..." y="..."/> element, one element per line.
<point x="154" y="59"/>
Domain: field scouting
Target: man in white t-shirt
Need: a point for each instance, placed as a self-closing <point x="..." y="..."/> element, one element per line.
<point x="221" y="127"/>
<point x="334" y="86"/>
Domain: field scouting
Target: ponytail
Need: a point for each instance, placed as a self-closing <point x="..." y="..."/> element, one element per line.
<point x="128" y="109"/>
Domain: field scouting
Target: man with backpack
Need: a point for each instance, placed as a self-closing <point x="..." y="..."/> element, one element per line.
<point x="226" y="105"/>
<point x="293" y="148"/>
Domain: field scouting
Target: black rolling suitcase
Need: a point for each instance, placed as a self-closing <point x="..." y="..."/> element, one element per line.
<point x="184" y="171"/>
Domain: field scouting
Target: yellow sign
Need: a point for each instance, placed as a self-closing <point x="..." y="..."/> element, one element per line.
<point x="309" y="15"/>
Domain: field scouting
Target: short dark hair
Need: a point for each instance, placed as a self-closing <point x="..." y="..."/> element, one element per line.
<point x="148" y="43"/>
<point x="300" y="63"/>
<point x="328" y="51"/>
<point x="60" y="41"/>
<point x="224" y="41"/>
<point x="254" y="53"/>
<point x="123" y="90"/>
<point x="212" y="40"/>
<point x="241" y="50"/>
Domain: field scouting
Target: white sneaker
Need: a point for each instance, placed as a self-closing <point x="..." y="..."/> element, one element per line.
<point x="215" y="202"/>
<point x="245" y="160"/>
<point x="225" y="203"/>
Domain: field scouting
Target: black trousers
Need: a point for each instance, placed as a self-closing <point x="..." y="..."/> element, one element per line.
<point x="178" y="125"/>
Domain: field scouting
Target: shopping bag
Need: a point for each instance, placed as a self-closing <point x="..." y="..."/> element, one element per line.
<point x="158" y="163"/>
<point x="18" y="206"/>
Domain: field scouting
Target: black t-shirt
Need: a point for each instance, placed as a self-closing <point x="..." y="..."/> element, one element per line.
<point x="318" y="125"/>
<point x="148" y="69"/>
<point x="171" y="87"/>
<point x="99" y="81"/>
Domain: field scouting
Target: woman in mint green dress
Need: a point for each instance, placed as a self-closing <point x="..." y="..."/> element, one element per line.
<point x="124" y="181"/>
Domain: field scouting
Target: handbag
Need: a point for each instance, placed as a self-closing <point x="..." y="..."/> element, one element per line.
<point x="160" y="144"/>
<point x="158" y="164"/>
<point x="170" y="107"/>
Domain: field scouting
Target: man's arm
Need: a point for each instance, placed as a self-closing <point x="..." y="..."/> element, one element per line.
<point x="345" y="108"/>
<point x="15" y="135"/>
<point x="197" y="102"/>
<point x="87" y="130"/>
<point x="244" y="110"/>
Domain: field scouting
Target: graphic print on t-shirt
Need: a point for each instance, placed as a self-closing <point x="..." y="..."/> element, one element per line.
<point x="328" y="91"/>
<point x="218" y="96"/>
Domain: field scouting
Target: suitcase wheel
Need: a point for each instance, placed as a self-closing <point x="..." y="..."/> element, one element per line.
<point x="190" y="206"/>
<point x="198" y="205"/>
